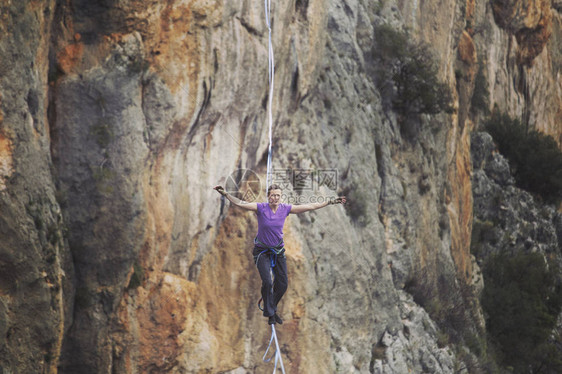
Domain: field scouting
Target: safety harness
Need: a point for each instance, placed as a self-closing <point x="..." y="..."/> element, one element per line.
<point x="278" y="250"/>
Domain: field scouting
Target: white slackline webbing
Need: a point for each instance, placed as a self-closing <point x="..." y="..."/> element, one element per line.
<point x="271" y="84"/>
<point x="277" y="353"/>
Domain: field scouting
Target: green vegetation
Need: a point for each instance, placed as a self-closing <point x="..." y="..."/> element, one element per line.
<point x="103" y="174"/>
<point x="378" y="7"/>
<point x="138" y="65"/>
<point x="379" y="352"/>
<point x="406" y="73"/>
<point x="104" y="177"/>
<point x="356" y="206"/>
<point x="449" y="304"/>
<point x="137" y="276"/>
<point x="54" y="74"/>
<point x="84" y="298"/>
<point x="103" y="133"/>
<point x="481" y="94"/>
<point x="482" y="232"/>
<point x="522" y="301"/>
<point x="535" y="159"/>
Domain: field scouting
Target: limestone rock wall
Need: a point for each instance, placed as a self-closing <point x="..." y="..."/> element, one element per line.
<point x="117" y="119"/>
<point x="524" y="77"/>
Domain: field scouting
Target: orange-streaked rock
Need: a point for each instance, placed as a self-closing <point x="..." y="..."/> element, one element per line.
<point x="164" y="315"/>
<point x="467" y="50"/>
<point x="6" y="160"/>
<point x="70" y="56"/>
<point x="460" y="204"/>
<point x="531" y="23"/>
<point x="469" y="16"/>
<point x="532" y="42"/>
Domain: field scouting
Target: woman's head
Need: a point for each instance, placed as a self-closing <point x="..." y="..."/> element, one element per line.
<point x="273" y="187"/>
<point x="274" y="194"/>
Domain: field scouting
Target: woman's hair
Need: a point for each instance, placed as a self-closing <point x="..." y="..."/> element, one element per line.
<point x="272" y="187"/>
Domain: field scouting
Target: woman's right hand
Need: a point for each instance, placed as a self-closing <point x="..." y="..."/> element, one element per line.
<point x="220" y="190"/>
<point x="237" y="202"/>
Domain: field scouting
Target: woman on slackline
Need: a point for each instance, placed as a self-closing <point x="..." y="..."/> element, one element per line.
<point x="269" y="251"/>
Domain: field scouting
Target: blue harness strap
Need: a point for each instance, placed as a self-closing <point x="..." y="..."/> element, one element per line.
<point x="278" y="250"/>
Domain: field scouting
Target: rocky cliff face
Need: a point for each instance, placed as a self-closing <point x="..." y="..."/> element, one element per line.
<point x="118" y="117"/>
<point x="35" y="261"/>
<point x="510" y="223"/>
<point x="538" y="227"/>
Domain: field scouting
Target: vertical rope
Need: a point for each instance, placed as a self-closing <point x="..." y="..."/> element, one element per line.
<point x="277" y="354"/>
<point x="271" y="84"/>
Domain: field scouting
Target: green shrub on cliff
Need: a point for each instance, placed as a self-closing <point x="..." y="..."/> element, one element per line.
<point x="481" y="94"/>
<point x="450" y="303"/>
<point x="535" y="159"/>
<point x="406" y="74"/>
<point x="137" y="276"/>
<point x="521" y="301"/>
<point x="356" y="207"/>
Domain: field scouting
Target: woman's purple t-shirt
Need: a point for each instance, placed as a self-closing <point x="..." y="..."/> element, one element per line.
<point x="270" y="225"/>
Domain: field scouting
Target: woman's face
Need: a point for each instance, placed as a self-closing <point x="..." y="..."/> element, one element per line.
<point x="274" y="197"/>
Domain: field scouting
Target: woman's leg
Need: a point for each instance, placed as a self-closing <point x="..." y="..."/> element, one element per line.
<point x="263" y="264"/>
<point x="281" y="281"/>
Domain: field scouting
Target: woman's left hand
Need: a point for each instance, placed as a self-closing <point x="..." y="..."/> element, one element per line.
<point x="340" y="200"/>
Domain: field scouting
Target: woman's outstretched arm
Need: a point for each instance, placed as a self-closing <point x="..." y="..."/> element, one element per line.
<point x="237" y="202"/>
<point x="295" y="209"/>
